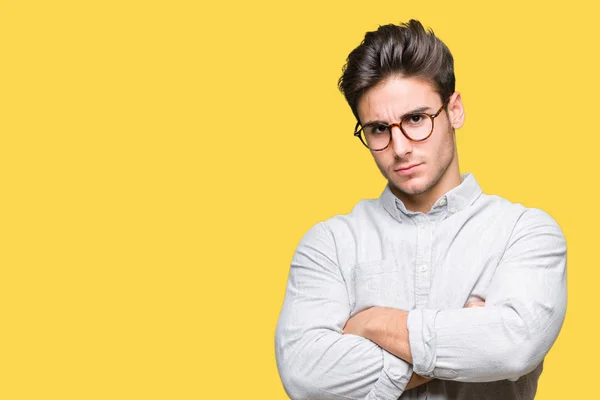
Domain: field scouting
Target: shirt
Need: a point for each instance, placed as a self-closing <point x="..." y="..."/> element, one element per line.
<point x="469" y="247"/>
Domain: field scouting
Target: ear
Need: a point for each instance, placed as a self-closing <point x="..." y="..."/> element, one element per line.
<point x="456" y="111"/>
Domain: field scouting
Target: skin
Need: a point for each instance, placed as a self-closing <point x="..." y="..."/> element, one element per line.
<point x="386" y="327"/>
<point x="438" y="171"/>
<point x="436" y="174"/>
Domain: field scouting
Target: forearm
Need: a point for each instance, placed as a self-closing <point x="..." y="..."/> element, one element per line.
<point x="387" y="328"/>
<point x="470" y="345"/>
<point x="383" y="326"/>
<point x="478" y="345"/>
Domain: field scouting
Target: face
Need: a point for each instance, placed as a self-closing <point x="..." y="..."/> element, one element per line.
<point x="418" y="172"/>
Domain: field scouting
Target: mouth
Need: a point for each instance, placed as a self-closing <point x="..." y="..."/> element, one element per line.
<point x="409" y="169"/>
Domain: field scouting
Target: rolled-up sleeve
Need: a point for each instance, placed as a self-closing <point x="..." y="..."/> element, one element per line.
<point x="315" y="360"/>
<point x="524" y="312"/>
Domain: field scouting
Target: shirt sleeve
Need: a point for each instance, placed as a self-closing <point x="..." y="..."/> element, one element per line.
<point x="315" y="360"/>
<point x="524" y="312"/>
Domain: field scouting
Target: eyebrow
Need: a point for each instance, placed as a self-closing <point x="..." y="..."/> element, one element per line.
<point x="418" y="110"/>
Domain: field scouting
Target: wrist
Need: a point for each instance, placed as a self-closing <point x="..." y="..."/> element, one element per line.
<point x="382" y="325"/>
<point x="386" y="327"/>
<point x="398" y="331"/>
<point x="376" y="326"/>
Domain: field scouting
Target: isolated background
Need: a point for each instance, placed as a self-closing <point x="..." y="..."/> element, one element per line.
<point x="160" y="160"/>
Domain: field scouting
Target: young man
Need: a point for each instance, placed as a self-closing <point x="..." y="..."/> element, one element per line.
<point x="435" y="290"/>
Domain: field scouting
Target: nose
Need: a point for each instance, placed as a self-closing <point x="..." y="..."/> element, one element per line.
<point x="400" y="143"/>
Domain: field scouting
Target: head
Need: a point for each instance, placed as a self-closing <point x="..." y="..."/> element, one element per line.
<point x="395" y="71"/>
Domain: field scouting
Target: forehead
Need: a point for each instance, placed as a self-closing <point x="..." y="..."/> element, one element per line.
<point x="395" y="96"/>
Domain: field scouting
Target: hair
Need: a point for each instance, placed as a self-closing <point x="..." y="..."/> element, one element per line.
<point x="406" y="50"/>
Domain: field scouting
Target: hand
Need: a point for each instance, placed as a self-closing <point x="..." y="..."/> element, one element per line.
<point x="416" y="380"/>
<point x="474" y="304"/>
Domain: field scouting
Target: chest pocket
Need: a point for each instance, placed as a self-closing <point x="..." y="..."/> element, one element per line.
<point x="379" y="284"/>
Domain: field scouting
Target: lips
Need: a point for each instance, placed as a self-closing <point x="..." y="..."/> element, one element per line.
<point x="407" y="168"/>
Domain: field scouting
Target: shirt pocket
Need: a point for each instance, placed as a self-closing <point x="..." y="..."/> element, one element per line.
<point x="379" y="284"/>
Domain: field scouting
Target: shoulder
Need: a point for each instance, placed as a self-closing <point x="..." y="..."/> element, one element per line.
<point x="366" y="215"/>
<point x="342" y="230"/>
<point x="523" y="222"/>
<point x="527" y="216"/>
<point x="534" y="221"/>
<point x="520" y="214"/>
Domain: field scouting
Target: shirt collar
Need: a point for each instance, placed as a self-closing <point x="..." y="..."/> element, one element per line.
<point x="450" y="203"/>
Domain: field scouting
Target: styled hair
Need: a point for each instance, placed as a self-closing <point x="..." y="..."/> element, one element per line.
<point x="406" y="50"/>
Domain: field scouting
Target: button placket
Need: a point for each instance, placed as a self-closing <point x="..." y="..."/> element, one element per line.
<point x="422" y="259"/>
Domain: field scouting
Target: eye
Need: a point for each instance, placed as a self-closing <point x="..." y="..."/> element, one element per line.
<point x="414" y="120"/>
<point x="381" y="128"/>
<point x="377" y="129"/>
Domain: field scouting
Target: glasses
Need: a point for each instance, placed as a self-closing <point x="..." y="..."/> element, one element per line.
<point x="416" y="127"/>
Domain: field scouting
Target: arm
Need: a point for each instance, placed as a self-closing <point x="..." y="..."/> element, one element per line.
<point x="387" y="327"/>
<point x="314" y="359"/>
<point x="510" y="336"/>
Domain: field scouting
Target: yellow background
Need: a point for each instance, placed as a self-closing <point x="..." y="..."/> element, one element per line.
<point x="160" y="160"/>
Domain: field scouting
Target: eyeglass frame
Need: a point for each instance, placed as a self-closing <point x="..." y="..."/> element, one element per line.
<point x="399" y="125"/>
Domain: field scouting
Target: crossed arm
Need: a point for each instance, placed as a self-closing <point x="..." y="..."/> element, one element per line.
<point x="509" y="337"/>
<point x="387" y="328"/>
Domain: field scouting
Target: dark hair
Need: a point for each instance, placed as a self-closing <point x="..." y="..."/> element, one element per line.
<point x="406" y="50"/>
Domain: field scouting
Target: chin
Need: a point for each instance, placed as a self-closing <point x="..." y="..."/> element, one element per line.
<point x="410" y="188"/>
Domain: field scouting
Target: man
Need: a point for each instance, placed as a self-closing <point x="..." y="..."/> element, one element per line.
<point x="435" y="290"/>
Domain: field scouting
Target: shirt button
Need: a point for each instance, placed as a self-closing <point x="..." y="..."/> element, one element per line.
<point x="452" y="210"/>
<point x="423" y="268"/>
<point x="443" y="201"/>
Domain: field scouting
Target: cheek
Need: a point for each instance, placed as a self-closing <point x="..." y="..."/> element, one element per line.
<point x="444" y="148"/>
<point x="383" y="160"/>
<point x="379" y="158"/>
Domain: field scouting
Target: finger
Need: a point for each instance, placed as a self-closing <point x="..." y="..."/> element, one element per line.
<point x="474" y="304"/>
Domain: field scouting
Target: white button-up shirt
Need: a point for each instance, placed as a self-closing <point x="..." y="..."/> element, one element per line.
<point x="469" y="247"/>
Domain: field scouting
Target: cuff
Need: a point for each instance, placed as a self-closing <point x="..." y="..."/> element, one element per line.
<point x="393" y="378"/>
<point x="421" y="337"/>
